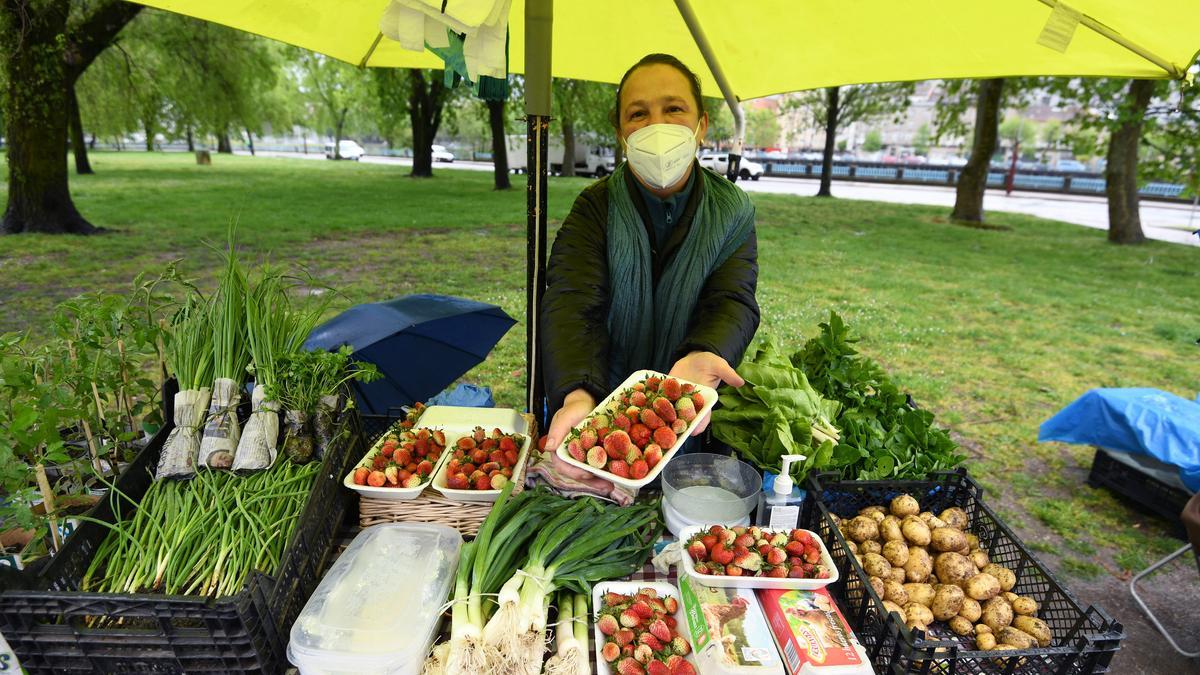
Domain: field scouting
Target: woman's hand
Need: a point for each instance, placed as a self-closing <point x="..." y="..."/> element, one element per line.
<point x="708" y="369"/>
<point x="575" y="407"/>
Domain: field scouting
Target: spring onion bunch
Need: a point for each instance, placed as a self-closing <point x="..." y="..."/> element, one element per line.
<point x="231" y="349"/>
<point x="189" y="352"/>
<point x="571" y="635"/>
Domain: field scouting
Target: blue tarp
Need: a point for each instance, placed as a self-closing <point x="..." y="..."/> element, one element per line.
<point x="1137" y="421"/>
<point x="465" y="395"/>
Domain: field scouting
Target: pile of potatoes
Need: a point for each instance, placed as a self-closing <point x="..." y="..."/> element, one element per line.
<point x="928" y="568"/>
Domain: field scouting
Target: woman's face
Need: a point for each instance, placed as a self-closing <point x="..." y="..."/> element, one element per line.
<point x="659" y="94"/>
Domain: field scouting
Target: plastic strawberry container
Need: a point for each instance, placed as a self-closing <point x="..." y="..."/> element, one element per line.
<point x="723" y="581"/>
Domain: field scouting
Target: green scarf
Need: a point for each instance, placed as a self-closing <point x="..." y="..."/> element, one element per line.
<point x="648" y="323"/>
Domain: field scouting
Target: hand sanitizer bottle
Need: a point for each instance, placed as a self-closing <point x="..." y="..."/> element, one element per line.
<point x="780" y="508"/>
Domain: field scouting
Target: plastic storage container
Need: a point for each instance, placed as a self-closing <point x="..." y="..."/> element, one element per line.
<point x="722" y="581"/>
<point x="729" y="632"/>
<point x="351" y="625"/>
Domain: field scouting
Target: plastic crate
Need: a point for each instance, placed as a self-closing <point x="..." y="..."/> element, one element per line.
<point x="58" y="629"/>
<point x="1084" y="640"/>
<point x="1140" y="487"/>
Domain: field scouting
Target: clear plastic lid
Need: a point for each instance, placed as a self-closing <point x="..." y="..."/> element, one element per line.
<point x="381" y="601"/>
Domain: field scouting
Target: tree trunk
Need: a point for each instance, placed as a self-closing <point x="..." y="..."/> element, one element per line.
<point x="499" y="146"/>
<point x="190" y="141"/>
<point x="78" y="145"/>
<point x="337" y="135"/>
<point x="972" y="180"/>
<point x="223" y="144"/>
<point x="1120" y="174"/>
<point x="35" y="116"/>
<point x="831" y="124"/>
<point x="425" y="104"/>
<point x="568" y="161"/>
<point x="250" y="140"/>
<point x="149" y="134"/>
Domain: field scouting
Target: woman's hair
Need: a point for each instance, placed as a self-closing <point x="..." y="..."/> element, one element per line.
<point x="659" y="59"/>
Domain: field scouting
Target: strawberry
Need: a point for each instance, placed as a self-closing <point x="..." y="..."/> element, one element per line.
<point x="701" y="568"/>
<point x="392" y="473"/>
<point x="721" y="555"/>
<point x="611" y="652"/>
<point x="672" y="389"/>
<point x="627" y="650"/>
<point x="607" y="624"/>
<point x="507" y="443"/>
<point x="639" y="386"/>
<point x="671" y="622"/>
<point x="611" y="598"/>
<point x="642" y="609"/>
<point x="379" y="463"/>
<point x="659" y="630"/>
<point x="588" y="439"/>
<point x="629" y="666"/>
<point x="658" y="606"/>
<point x="672" y="606"/>
<point x="640" y="434"/>
<point x="776" y="555"/>
<point x="673" y="662"/>
<point x="623" y="637"/>
<point x="778" y="572"/>
<point x="779" y="539"/>
<point x="439" y="437"/>
<point x="812" y="555"/>
<point x="387" y="451"/>
<point x="630" y="619"/>
<point x="744" y="540"/>
<point x="510" y="458"/>
<point x="688" y="388"/>
<point x="664" y="410"/>
<point x="794" y="548"/>
<point x="679" y="426"/>
<point x="498" y="481"/>
<point x="652" y="383"/>
<point x="479" y="434"/>
<point x="651" y="640"/>
<point x="657" y="668"/>
<point x="425" y="468"/>
<point x="651" y="419"/>
<point x="638" y="399"/>
<point x="616" y="444"/>
<point x="685" y="409"/>
<point x="633" y="413"/>
<point x="376" y="479"/>
<point x="733" y="571"/>
<point x="596" y="457"/>
<point x="412" y="481"/>
<point x="465" y="443"/>
<point x="458" y="481"/>
<point x="665" y="437"/>
<point x="622" y="422"/>
<point x="618" y="468"/>
<point x="709" y="540"/>
<point x="639" y="469"/>
<point x="648" y="593"/>
<point x="643" y="653"/>
<point x="360" y="475"/>
<point x="652" y="454"/>
<point x="802" y="537"/>
<point x="576" y="451"/>
<point x="680" y="646"/>
<point x="697" y="551"/>
<point x="749" y="561"/>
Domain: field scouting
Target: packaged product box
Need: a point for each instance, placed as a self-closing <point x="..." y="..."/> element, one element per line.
<point x="812" y="635"/>
<point x="729" y="632"/>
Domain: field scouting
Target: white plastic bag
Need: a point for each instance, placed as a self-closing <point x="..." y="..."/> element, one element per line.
<point x="178" y="456"/>
<point x="221" y="431"/>
<point x="259" y="444"/>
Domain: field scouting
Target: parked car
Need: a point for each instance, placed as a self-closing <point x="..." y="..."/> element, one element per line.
<point x="441" y="154"/>
<point x="719" y="162"/>
<point x="347" y="149"/>
<point x="1071" y="166"/>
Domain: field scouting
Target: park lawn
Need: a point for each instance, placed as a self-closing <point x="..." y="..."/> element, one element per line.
<point x="994" y="330"/>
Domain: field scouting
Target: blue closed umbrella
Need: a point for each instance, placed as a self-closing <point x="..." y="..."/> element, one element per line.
<point x="420" y="343"/>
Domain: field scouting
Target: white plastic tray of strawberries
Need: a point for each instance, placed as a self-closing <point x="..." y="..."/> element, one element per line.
<point x="486" y="496"/>
<point x="455" y="422"/>
<point x="663" y="589"/>
<point x="725" y="581"/>
<point x="710" y="399"/>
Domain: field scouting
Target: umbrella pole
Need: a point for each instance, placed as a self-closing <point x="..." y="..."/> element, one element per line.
<point x="539" y="22"/>
<point x="714" y="67"/>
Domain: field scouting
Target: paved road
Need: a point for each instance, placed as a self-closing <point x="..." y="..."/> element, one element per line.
<point x="1160" y="220"/>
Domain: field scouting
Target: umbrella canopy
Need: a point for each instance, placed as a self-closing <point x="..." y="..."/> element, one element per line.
<point x="420" y="343"/>
<point x="772" y="46"/>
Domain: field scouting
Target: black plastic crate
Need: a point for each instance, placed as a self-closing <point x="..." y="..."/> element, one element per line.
<point x="1141" y="488"/>
<point x="375" y="426"/>
<point x="1084" y="640"/>
<point x="58" y="629"/>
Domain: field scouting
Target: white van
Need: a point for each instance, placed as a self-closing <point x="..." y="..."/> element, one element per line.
<point x="347" y="149"/>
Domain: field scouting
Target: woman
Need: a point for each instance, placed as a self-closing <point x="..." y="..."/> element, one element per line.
<point x="655" y="266"/>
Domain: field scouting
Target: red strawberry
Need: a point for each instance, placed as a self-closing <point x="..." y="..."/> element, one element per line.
<point x="733" y="571"/>
<point x="749" y="561"/>
<point x="623" y="637"/>
<point x="794" y="548"/>
<point x="744" y="539"/>
<point x="439" y="437"/>
<point x="652" y="383"/>
<point x="465" y="443"/>
<point x="680" y="646"/>
<point x="638" y="398"/>
<point x="679" y="426"/>
<point x="618" y="468"/>
<point x="596" y="457"/>
<point x="607" y="624"/>
<point x="652" y="454"/>
<point x="627" y="650"/>
<point x="483" y="483"/>
<point x="659" y="630"/>
<point x="376" y="479"/>
<point x="576" y="451"/>
<point x="611" y="598"/>
<point x="688" y="388"/>
<point x="802" y="537"/>
<point x="651" y="419"/>
<point x="587" y="438"/>
<point x="642" y="609"/>
<point x="639" y="469"/>
<point x="651" y="641"/>
<point x="672" y="606"/>
<point x="611" y="652"/>
<point x="664" y="410"/>
<point x="630" y="619"/>
<point x="796" y="573"/>
<point x="510" y="458"/>
<point x="628" y="666"/>
<point x="616" y="444"/>
<point x="697" y="551"/>
<point x="685" y="409"/>
<point x="672" y="389"/>
<point x="633" y="413"/>
<point x="779" y="572"/>
<point x="701" y="568"/>
<point x="360" y="475"/>
<point x="379" y="463"/>
<point x="402" y="457"/>
<point x="657" y="668"/>
<point x="622" y="422"/>
<point x="458" y="481"/>
<point x="425" y="468"/>
<point x="671" y="623"/>
<point x="507" y="443"/>
<point x="478" y="434"/>
<point x="664" y="437"/>
<point x="710" y="540"/>
<point x="812" y="556"/>
<point x="643" y="653"/>
<point x="674" y="661"/>
<point x="721" y="555"/>
<point x="776" y="555"/>
<point x="640" y="435"/>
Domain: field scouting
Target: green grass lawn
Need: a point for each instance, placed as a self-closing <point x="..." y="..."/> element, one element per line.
<point x="994" y="330"/>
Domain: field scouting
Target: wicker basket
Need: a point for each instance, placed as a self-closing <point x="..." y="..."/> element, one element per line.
<point x="432" y="507"/>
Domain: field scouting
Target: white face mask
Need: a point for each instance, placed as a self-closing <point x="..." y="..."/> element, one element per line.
<point x="660" y="153"/>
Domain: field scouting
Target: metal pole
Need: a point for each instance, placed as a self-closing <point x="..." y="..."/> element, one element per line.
<point x="539" y="24"/>
<point x="710" y="59"/>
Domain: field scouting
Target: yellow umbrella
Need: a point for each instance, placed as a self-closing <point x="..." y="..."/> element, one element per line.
<point x="752" y="48"/>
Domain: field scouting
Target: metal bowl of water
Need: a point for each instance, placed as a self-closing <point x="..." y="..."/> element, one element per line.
<point x="711" y="489"/>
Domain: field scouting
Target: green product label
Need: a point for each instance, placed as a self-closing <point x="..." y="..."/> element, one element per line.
<point x="695" y="616"/>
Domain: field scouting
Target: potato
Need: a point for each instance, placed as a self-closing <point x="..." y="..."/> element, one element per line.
<point x="852" y="546"/>
<point x="979" y="558"/>
<point x="971" y="610"/>
<point x="931" y="520"/>
<point x="877" y="565"/>
<point x="1025" y="606"/>
<point x="952" y="568"/>
<point x="1018" y="638"/>
<point x="961" y="626"/>
<point x="985" y="641"/>
<point x="899" y="575"/>
<point x="877" y="584"/>
<point x="1004" y="575"/>
<point x="917" y="625"/>
<point x="889" y="529"/>
<point x="1009" y="596"/>
<point x="917" y="612"/>
<point x="947" y="601"/>
<point x="915" y="531"/>
<point x="980" y="629"/>
<point x="905" y="505"/>
<point x="972" y="541"/>
<point x="919" y="564"/>
<point x="922" y="594"/>
<point x="982" y="586"/>
<point x="867" y="511"/>
<point x="947" y="539"/>
<point x="896" y="552"/>
<point x="895" y="592"/>
<point x="870" y="547"/>
<point x="997" y="614"/>
<point x="863" y="528"/>
<point x="955" y="517"/>
<point x="859" y="558"/>
<point x="877" y="516"/>
<point x="893" y="607"/>
<point x="1035" y="627"/>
